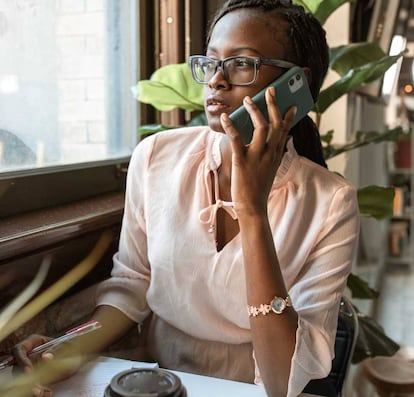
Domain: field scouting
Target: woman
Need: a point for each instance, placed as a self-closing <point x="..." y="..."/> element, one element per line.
<point x="213" y="227"/>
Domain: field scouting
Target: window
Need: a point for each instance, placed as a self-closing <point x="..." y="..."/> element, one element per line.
<point x="66" y="70"/>
<point x="68" y="119"/>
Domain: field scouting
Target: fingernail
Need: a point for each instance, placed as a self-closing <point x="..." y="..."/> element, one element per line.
<point x="247" y="99"/>
<point x="295" y="110"/>
<point x="224" y="119"/>
<point x="272" y="91"/>
<point x="48" y="356"/>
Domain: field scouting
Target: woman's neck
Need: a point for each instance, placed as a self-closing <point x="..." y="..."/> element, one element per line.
<point x="224" y="172"/>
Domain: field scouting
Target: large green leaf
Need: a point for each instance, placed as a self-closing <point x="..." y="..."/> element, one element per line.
<point x="353" y="79"/>
<point x="321" y="9"/>
<point x="346" y="57"/>
<point x="170" y="87"/>
<point x="372" y="340"/>
<point x="376" y="201"/>
<point x="149" y="129"/>
<point x="360" y="138"/>
<point x="359" y="288"/>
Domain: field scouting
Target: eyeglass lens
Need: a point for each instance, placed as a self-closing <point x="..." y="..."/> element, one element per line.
<point x="236" y="70"/>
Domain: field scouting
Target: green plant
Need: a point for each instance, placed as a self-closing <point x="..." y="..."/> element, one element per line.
<point x="356" y="64"/>
<point x="20" y="310"/>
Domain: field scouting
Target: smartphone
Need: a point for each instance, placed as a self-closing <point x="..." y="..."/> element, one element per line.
<point x="292" y="89"/>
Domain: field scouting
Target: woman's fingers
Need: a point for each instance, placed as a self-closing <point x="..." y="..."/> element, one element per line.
<point x="272" y="133"/>
<point x="260" y="124"/>
<point x="21" y="350"/>
<point x="236" y="140"/>
<point x="41" y="391"/>
<point x="272" y="109"/>
<point x="25" y="362"/>
<point x="279" y="126"/>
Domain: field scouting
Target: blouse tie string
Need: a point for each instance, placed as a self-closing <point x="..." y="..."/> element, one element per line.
<point x="208" y="215"/>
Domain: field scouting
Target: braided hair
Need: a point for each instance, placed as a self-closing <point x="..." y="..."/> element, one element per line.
<point x="307" y="47"/>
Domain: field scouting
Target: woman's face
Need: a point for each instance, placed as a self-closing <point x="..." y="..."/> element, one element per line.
<point x="242" y="32"/>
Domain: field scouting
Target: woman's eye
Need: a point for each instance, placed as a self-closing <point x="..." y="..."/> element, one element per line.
<point x="207" y="65"/>
<point x="243" y="63"/>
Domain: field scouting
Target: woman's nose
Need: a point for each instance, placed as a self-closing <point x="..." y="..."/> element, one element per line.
<point x="218" y="80"/>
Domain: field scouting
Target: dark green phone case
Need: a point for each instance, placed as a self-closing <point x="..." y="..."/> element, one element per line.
<point x="291" y="90"/>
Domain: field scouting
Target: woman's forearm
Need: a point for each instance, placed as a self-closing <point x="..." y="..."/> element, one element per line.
<point x="114" y="324"/>
<point x="273" y="335"/>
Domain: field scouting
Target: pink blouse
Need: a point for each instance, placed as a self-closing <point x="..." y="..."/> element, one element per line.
<point x="168" y="262"/>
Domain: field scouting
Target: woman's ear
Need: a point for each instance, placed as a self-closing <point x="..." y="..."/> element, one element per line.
<point x="308" y="74"/>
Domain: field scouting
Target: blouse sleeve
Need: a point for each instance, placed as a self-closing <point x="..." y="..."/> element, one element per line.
<point x="317" y="291"/>
<point x="126" y="288"/>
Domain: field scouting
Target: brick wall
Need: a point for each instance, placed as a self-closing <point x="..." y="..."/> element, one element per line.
<point x="80" y="42"/>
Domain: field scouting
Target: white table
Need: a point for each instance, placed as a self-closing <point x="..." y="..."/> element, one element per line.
<point x="92" y="379"/>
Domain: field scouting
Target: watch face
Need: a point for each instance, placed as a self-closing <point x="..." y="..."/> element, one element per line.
<point x="278" y="305"/>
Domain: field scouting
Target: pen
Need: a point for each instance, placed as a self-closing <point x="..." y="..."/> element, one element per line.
<point x="72" y="333"/>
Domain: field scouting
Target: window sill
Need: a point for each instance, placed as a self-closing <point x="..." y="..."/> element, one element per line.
<point x="27" y="233"/>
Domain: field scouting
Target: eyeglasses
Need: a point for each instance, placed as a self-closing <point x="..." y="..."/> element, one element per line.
<point x="237" y="70"/>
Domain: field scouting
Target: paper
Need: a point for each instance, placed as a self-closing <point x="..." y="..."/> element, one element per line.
<point x="92" y="379"/>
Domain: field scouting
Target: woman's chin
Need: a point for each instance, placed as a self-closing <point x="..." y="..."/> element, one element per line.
<point x="218" y="129"/>
<point x="214" y="124"/>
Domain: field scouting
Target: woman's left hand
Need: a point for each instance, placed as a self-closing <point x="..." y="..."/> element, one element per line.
<point x="254" y="166"/>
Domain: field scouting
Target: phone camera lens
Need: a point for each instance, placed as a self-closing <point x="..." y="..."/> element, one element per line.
<point x="291" y="82"/>
<point x="298" y="77"/>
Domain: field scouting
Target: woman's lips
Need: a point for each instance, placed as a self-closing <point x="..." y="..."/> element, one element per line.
<point x="215" y="106"/>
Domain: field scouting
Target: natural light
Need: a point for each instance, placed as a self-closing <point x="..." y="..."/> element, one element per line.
<point x="65" y="75"/>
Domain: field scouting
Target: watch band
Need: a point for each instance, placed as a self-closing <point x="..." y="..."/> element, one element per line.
<point x="277" y="305"/>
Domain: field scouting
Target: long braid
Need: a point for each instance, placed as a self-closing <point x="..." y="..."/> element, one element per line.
<point x="309" y="48"/>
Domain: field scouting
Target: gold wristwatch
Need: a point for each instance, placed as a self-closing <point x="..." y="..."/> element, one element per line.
<point x="277" y="305"/>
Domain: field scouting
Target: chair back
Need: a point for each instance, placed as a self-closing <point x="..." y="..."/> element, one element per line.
<point x="345" y="341"/>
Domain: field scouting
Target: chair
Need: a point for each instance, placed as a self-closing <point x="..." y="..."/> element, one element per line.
<point x="346" y="337"/>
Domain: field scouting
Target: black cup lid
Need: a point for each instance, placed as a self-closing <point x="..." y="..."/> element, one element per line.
<point x="144" y="382"/>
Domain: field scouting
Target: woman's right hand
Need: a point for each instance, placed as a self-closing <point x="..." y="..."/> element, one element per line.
<point x="22" y="349"/>
<point x="25" y="362"/>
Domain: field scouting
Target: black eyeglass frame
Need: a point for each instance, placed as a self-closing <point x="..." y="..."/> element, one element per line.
<point x="257" y="61"/>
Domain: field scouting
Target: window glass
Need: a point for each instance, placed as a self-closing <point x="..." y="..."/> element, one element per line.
<point x="65" y="75"/>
